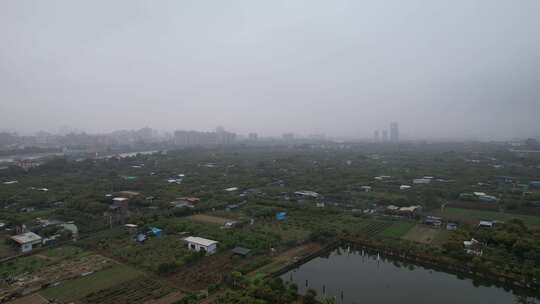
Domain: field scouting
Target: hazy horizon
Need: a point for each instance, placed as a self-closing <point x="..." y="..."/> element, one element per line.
<point x="459" y="69"/>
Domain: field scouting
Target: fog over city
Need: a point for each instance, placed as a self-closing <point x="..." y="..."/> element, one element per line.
<point x="442" y="69"/>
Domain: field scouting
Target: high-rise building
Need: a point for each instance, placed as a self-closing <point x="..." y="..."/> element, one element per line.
<point x="376" y="136"/>
<point x="385" y="136"/>
<point x="287" y="136"/>
<point x="195" y="138"/>
<point x="394" y="132"/>
<point x="253" y="136"/>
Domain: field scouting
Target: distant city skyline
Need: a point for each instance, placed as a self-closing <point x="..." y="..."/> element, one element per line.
<point x="459" y="69"/>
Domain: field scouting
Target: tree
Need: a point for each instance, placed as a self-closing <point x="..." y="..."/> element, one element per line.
<point x="310" y="297"/>
<point x="328" y="300"/>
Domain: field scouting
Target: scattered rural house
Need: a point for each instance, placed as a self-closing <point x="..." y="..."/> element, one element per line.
<point x="232" y="189"/>
<point x="182" y="204"/>
<point x="27" y="164"/>
<point x="241" y="251"/>
<point x="281" y="216"/>
<point x="188" y="202"/>
<point x="487" y="198"/>
<point x="120" y="200"/>
<point x="409" y="211"/>
<point x="141" y="237"/>
<point x="250" y="191"/>
<point x="307" y="194"/>
<point x="319" y="205"/>
<point x="478" y="194"/>
<point x="505" y="179"/>
<point x="404" y="187"/>
<point x="27" y="241"/>
<point x="118" y="210"/>
<point x="201" y="244"/>
<point x="50" y="240"/>
<point x="392" y="208"/>
<point x="46" y="222"/>
<point x="382" y="177"/>
<point x="366" y="211"/>
<point x="10" y="182"/>
<point x="232" y="207"/>
<point x="155" y="231"/>
<point x="131" y="228"/>
<point x="472" y="247"/>
<point x="403" y="211"/>
<point x="424" y="181"/>
<point x="230" y="224"/>
<point x="433" y="221"/>
<point x="366" y="188"/>
<point x="451" y="226"/>
<point x="175" y="180"/>
<point x="532" y="184"/>
<point x="486" y="224"/>
<point x="129" y="194"/>
<point x="71" y="227"/>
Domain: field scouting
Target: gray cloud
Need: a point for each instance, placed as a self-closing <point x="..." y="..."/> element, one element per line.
<point x="466" y="68"/>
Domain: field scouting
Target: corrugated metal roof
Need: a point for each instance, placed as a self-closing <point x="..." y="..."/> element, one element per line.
<point x="28" y="237"/>
<point x="200" y="241"/>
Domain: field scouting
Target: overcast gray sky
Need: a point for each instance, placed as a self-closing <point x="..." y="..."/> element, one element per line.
<point x="460" y="68"/>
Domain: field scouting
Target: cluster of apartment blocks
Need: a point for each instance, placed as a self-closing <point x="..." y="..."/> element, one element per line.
<point x="191" y="138"/>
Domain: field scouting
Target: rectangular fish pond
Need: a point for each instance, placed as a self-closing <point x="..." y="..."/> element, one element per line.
<point x="354" y="276"/>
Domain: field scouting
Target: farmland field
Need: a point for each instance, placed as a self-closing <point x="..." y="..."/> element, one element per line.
<point x="209" y="219"/>
<point x="154" y="251"/>
<point x="370" y="228"/>
<point x="78" y="288"/>
<point x="469" y="214"/>
<point x="21" y="265"/>
<point x="397" y="230"/>
<point x="138" y="290"/>
<point x="210" y="270"/>
<point x="421" y="234"/>
<point x="285" y="258"/>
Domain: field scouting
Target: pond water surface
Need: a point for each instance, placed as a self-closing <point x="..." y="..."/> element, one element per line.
<point x="358" y="277"/>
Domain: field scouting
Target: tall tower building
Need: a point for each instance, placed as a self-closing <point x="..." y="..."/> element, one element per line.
<point x="384" y="136"/>
<point x="394" y="132"/>
<point x="376" y="136"/>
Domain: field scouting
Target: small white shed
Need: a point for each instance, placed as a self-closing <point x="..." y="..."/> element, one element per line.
<point x="27" y="240"/>
<point x="201" y="244"/>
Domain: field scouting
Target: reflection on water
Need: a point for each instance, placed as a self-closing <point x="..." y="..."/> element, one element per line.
<point x="356" y="276"/>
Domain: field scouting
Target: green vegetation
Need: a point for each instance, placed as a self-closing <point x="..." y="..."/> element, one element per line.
<point x="514" y="249"/>
<point x="22" y="265"/>
<point x="267" y="177"/>
<point x="260" y="291"/>
<point x="397" y="230"/>
<point x="80" y="287"/>
<point x="470" y="214"/>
